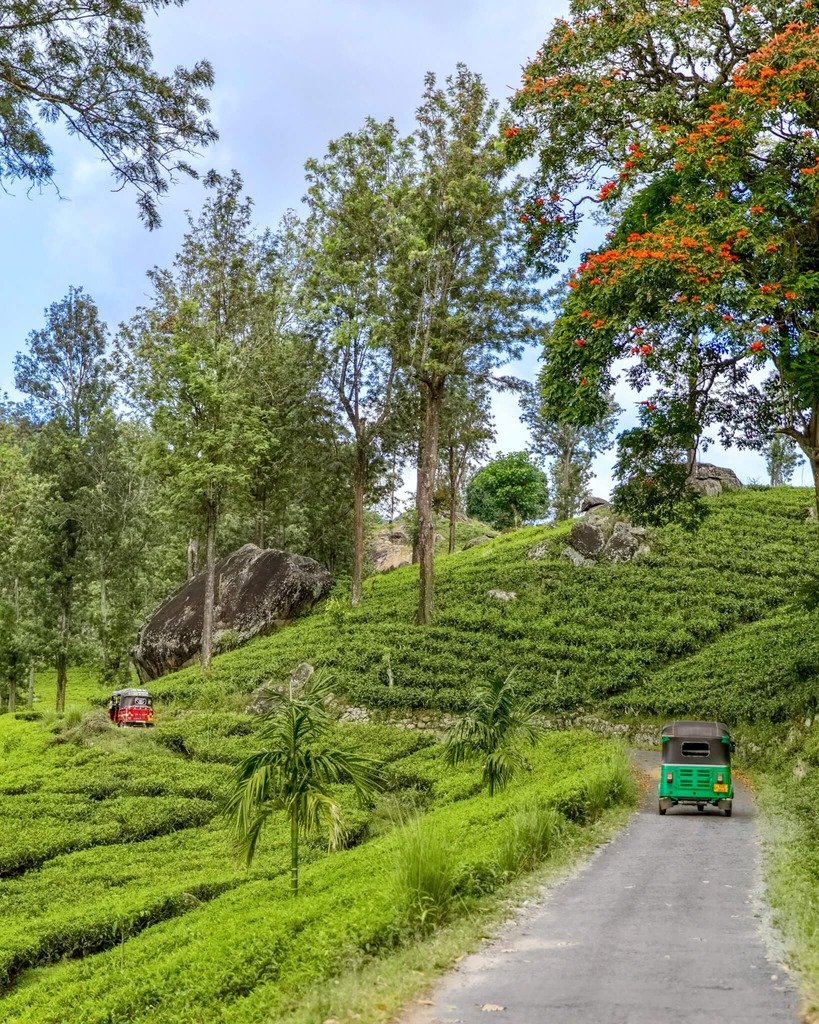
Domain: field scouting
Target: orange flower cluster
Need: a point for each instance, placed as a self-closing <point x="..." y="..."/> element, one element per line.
<point x="780" y="70"/>
<point x="718" y="129"/>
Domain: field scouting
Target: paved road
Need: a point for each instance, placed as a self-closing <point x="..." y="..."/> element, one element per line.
<point x="660" y="927"/>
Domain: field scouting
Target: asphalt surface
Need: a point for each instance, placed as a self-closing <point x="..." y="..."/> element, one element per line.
<point x="661" y="926"/>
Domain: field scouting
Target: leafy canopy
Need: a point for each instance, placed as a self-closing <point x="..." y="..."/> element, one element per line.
<point x="498" y="726"/>
<point x="88" y="65"/>
<point x="295" y="770"/>
<point x="508" y="491"/>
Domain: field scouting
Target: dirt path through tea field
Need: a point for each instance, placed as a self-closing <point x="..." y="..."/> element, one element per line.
<point x="661" y="926"/>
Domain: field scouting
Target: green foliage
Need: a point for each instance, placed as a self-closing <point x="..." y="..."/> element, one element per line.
<point x="99" y="82"/>
<point x="743" y="564"/>
<point x="532" y="835"/>
<point x="500" y="722"/>
<point x="194" y="934"/>
<point x="294" y="772"/>
<point x="426" y="877"/>
<point x="786" y="768"/>
<point x="508" y="491"/>
<point x="654" y="491"/>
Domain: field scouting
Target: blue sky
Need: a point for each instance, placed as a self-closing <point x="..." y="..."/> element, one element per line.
<point x="289" y="77"/>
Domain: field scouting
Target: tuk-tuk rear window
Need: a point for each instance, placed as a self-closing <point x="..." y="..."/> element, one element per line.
<point x="695" y="748"/>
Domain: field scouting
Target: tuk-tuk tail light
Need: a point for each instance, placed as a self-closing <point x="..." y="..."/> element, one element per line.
<point x="669" y="776"/>
<point x="720" y="777"/>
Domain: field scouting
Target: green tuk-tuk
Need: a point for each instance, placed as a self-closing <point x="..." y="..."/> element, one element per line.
<point x="696" y="766"/>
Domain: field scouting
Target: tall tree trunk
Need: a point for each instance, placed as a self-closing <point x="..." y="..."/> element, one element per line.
<point x="193" y="557"/>
<point x="30" y="695"/>
<point x="62" y="656"/>
<point x="814" y="465"/>
<point x="103" y="616"/>
<point x="210" y="588"/>
<point x="62" y="678"/>
<point x="12" y="692"/>
<point x="434" y="393"/>
<point x="260" y="522"/>
<point x="358" y="521"/>
<point x="453" y="497"/>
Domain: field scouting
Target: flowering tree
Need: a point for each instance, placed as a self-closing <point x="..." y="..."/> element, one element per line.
<point x="693" y="126"/>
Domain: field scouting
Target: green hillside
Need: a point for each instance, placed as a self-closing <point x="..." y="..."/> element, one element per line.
<point x="698" y="626"/>
<point x="121" y="899"/>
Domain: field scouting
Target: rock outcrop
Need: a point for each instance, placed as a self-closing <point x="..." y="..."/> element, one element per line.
<point x="591" y="502"/>
<point x="601" y="537"/>
<point x="711" y="480"/>
<point x="257" y="590"/>
<point x="390" y="548"/>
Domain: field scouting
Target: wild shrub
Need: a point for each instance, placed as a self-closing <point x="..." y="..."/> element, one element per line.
<point x="535" y="830"/>
<point x="426" y="877"/>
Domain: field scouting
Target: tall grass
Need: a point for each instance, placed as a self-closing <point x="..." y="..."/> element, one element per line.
<point x="533" y="834"/>
<point x="426" y="877"/>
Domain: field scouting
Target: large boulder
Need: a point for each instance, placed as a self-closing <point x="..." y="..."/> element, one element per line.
<point x="257" y="590"/>
<point x="390" y="548"/>
<point x="711" y="480"/>
<point x="601" y="536"/>
<point x="588" y="537"/>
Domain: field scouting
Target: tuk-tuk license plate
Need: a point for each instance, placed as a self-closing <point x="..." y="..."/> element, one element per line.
<point x="720" y="787"/>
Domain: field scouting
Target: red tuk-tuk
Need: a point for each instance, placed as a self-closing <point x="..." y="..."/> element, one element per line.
<point x="131" y="707"/>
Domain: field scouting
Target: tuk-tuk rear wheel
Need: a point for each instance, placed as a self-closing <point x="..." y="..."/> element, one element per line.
<point x="660" y="808"/>
<point x="729" y="809"/>
<point x="700" y="808"/>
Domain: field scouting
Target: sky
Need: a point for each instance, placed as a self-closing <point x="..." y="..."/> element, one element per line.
<point x="289" y="77"/>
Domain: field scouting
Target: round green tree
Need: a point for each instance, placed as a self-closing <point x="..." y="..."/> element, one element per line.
<point x="508" y="491"/>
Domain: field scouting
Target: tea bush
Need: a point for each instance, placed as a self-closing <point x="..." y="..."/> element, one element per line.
<point x="578" y="637"/>
<point x="245" y="953"/>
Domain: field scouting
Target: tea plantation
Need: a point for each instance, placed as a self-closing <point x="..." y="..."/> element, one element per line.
<point x="120" y="896"/>
<point x="703" y="625"/>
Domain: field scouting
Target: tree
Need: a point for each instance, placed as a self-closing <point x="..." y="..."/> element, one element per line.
<point x="67" y="375"/>
<point x="190" y="380"/>
<point x="568" y="450"/>
<point x="189" y="360"/>
<point x="467" y="429"/>
<point x="460" y="290"/>
<point x="20" y="498"/>
<point x="781" y="459"/>
<point x="353" y="196"/>
<point x="508" y="491"/>
<point x="294" y="772"/>
<point x="708" y="117"/>
<point x="498" y="726"/>
<point x="88" y="65"/>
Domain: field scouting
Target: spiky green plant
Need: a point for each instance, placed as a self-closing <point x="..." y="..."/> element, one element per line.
<point x="294" y="772"/>
<point x="499" y="724"/>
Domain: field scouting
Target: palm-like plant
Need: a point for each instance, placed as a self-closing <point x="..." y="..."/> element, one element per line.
<point x="500" y="722"/>
<point x="294" y="772"/>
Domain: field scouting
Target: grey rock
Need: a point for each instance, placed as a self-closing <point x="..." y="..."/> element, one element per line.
<point x="810" y="515"/>
<point x="575" y="557"/>
<point x="473" y="542"/>
<point x="622" y="545"/>
<point x="263" y="699"/>
<point x="591" y="502"/>
<point x="502" y="595"/>
<point x="587" y="538"/>
<point x="539" y="550"/>
<point x="711" y="480"/>
<point x="257" y="591"/>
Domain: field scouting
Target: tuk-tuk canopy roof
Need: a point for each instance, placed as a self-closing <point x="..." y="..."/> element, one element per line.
<point x="696" y="730"/>
<point x="131" y="692"/>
